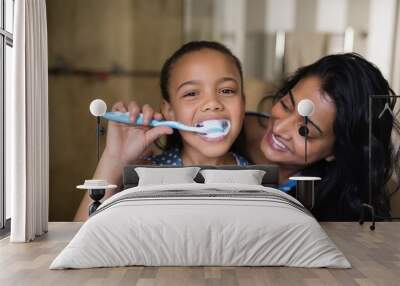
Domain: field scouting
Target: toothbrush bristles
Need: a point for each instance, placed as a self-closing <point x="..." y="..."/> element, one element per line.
<point x="214" y="126"/>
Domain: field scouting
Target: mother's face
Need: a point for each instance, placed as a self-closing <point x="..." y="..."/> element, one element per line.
<point x="282" y="144"/>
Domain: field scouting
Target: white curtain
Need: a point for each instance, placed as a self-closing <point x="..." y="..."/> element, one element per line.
<point x="27" y="144"/>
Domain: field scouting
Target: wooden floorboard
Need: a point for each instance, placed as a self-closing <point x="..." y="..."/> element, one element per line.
<point x="374" y="255"/>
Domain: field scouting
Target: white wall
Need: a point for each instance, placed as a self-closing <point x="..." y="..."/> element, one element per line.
<point x="280" y="15"/>
<point x="230" y="24"/>
<point x="381" y="34"/>
<point x="250" y="34"/>
<point x="331" y="16"/>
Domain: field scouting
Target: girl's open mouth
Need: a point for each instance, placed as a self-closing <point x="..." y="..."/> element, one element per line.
<point x="216" y="129"/>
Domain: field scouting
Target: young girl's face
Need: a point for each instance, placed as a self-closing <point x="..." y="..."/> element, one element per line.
<point x="206" y="85"/>
<point x="282" y="142"/>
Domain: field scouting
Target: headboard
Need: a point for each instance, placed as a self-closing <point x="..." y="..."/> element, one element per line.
<point x="270" y="179"/>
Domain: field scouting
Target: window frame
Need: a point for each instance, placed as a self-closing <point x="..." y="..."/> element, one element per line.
<point x="6" y="39"/>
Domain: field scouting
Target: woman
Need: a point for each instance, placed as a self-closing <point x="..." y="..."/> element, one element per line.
<point x="338" y="142"/>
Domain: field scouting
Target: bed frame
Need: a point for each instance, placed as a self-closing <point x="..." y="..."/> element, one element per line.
<point x="131" y="178"/>
<point x="270" y="179"/>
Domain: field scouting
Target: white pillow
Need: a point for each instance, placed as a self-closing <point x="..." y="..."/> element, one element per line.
<point x="248" y="177"/>
<point x="163" y="176"/>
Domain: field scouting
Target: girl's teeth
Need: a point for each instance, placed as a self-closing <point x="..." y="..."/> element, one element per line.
<point x="278" y="143"/>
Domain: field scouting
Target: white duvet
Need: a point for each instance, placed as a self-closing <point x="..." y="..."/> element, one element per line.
<point x="201" y="224"/>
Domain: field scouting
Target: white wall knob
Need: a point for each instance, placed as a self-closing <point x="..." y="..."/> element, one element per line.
<point x="305" y="107"/>
<point x="98" y="107"/>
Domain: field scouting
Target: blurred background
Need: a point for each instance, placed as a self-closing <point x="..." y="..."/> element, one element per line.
<point x="114" y="50"/>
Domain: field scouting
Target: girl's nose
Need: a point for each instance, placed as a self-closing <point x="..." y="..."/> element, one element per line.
<point x="212" y="104"/>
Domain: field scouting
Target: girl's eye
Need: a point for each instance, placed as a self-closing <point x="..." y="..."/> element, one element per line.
<point x="227" y="91"/>
<point x="190" y="94"/>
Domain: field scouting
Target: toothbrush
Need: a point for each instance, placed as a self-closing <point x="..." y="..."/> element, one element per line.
<point x="213" y="128"/>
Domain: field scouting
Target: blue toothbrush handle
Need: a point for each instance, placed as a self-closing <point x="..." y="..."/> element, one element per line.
<point x="123" y="117"/>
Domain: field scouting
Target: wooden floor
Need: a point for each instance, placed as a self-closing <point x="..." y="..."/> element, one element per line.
<point x="374" y="255"/>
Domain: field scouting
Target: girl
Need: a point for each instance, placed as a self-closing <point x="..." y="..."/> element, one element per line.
<point x="338" y="145"/>
<point x="200" y="81"/>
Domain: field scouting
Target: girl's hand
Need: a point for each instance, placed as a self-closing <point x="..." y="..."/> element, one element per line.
<point x="127" y="143"/>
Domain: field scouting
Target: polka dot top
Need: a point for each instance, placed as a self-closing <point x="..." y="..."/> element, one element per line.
<point x="173" y="157"/>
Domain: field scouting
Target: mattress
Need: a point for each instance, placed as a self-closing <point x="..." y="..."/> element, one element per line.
<point x="201" y="225"/>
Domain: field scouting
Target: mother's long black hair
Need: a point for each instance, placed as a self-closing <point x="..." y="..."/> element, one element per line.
<point x="349" y="80"/>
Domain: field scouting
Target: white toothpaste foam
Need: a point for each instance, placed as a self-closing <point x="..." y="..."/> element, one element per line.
<point x="216" y="128"/>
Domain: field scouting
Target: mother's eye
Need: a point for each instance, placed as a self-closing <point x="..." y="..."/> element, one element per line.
<point x="284" y="105"/>
<point x="287" y="102"/>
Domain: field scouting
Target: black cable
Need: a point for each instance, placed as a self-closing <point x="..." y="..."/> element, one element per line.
<point x="98" y="138"/>
<point x="305" y="138"/>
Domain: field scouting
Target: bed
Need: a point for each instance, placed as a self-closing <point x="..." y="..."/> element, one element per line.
<point x="201" y="224"/>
